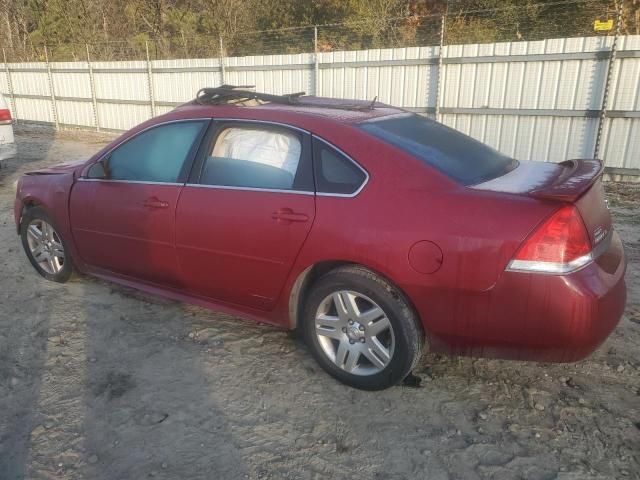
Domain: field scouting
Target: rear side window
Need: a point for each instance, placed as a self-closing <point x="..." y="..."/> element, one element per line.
<point x="253" y="157"/>
<point x="156" y="155"/>
<point x="334" y="172"/>
<point x="457" y="155"/>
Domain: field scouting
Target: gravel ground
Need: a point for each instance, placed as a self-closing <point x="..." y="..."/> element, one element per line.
<point x="101" y="382"/>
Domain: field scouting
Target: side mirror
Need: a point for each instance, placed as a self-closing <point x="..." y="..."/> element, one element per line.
<point x="99" y="170"/>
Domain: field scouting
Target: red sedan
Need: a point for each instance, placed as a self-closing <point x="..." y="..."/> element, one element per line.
<point x="372" y="230"/>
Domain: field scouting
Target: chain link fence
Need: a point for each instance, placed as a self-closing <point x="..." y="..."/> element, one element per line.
<point x="535" y="21"/>
<point x="458" y="25"/>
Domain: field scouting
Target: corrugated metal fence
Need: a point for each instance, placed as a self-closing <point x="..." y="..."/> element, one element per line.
<point x="533" y="100"/>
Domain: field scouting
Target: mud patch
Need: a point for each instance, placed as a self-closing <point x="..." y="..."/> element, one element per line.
<point x="114" y="385"/>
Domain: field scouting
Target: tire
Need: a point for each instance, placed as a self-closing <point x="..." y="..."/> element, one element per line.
<point x="53" y="260"/>
<point x="380" y="353"/>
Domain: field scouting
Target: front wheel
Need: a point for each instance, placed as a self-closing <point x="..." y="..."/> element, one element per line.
<point x="361" y="330"/>
<point x="44" y="246"/>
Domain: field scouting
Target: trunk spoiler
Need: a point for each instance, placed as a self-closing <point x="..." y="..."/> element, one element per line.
<point x="577" y="178"/>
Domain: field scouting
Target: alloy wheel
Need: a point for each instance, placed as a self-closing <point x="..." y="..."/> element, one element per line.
<point x="354" y="332"/>
<point x="45" y="246"/>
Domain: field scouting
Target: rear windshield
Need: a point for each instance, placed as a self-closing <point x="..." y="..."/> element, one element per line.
<point x="457" y="155"/>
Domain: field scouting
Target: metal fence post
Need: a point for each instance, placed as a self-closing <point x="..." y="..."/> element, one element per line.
<point x="316" y="66"/>
<point x="152" y="101"/>
<point x="54" y="106"/>
<point x="92" y="83"/>
<point x="443" y="24"/>
<point x="10" y="85"/>
<point x="223" y="73"/>
<point x="607" y="82"/>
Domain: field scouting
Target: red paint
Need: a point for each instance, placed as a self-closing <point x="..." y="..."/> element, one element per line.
<point x="237" y="234"/>
<point x="577" y="177"/>
<point x="445" y="246"/>
<point x="116" y="227"/>
<point x="425" y="257"/>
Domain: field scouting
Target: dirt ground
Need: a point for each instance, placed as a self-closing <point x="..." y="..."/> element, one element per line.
<point x="100" y="382"/>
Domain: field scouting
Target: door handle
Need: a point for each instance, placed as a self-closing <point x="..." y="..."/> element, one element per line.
<point x="286" y="216"/>
<point x="153" y="202"/>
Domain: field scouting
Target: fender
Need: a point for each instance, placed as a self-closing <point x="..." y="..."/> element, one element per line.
<point x="52" y="193"/>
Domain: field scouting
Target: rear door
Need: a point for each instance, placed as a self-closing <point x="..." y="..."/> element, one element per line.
<point x="123" y="210"/>
<point x="246" y="212"/>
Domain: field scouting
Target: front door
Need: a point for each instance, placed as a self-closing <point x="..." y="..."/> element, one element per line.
<point x="243" y="218"/>
<point x="123" y="211"/>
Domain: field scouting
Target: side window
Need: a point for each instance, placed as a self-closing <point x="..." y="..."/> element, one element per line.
<point x="253" y="157"/>
<point x="334" y="172"/>
<point x="156" y="155"/>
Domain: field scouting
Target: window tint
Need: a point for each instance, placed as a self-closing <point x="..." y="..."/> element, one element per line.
<point x="335" y="173"/>
<point x="457" y="155"/>
<point x="156" y="155"/>
<point x="253" y="157"/>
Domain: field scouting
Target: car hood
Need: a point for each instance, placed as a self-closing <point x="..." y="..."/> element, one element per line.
<point x="69" y="167"/>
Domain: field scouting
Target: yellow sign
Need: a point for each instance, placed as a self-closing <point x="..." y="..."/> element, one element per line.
<point x="600" y="26"/>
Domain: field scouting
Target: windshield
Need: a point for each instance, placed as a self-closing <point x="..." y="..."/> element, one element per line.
<point x="457" y="155"/>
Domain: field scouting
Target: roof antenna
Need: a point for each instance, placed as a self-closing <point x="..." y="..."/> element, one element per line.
<point x="373" y="104"/>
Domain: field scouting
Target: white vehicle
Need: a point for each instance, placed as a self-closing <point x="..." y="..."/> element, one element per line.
<point x="7" y="143"/>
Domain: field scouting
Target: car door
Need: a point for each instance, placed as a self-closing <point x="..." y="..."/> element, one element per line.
<point x="246" y="212"/>
<point x="123" y="209"/>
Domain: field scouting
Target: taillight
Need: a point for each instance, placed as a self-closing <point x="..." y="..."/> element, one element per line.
<point x="559" y="245"/>
<point x="5" y="115"/>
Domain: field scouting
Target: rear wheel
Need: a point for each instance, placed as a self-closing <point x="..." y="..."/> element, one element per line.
<point x="44" y="246"/>
<point x="361" y="329"/>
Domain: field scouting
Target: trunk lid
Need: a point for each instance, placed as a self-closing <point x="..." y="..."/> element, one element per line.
<point x="574" y="181"/>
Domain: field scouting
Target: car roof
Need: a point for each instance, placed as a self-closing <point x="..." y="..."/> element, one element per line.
<point x="309" y="108"/>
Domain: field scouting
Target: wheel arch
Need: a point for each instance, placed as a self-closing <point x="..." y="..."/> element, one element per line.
<point x="31" y="202"/>
<point x="28" y="202"/>
<point x="307" y="278"/>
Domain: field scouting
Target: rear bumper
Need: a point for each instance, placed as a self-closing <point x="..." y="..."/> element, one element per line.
<point x="7" y="151"/>
<point x="532" y="316"/>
